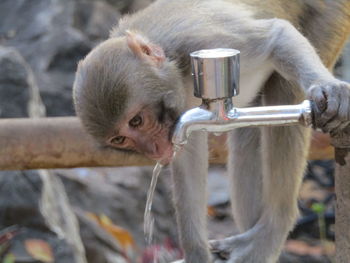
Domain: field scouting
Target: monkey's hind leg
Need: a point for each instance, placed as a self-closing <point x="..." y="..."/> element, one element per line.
<point x="244" y="165"/>
<point x="283" y="161"/>
<point x="245" y="172"/>
<point x="190" y="178"/>
<point x="283" y="152"/>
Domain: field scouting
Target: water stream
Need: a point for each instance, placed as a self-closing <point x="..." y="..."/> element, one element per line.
<point x="148" y="217"/>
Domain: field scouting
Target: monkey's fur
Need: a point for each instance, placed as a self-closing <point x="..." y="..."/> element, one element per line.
<point x="146" y="62"/>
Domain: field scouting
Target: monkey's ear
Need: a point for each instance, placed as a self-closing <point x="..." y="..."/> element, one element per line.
<point x="146" y="51"/>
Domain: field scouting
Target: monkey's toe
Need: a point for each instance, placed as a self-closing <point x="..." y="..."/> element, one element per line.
<point x="220" y="256"/>
<point x="220" y="249"/>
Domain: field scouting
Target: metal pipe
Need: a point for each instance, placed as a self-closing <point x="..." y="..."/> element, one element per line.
<point x="55" y="143"/>
<point x="200" y="119"/>
<point x="216" y="80"/>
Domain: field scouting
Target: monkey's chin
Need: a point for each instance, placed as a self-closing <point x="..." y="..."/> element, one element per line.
<point x="167" y="156"/>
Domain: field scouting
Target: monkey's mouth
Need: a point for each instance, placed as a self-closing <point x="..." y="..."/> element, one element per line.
<point x="163" y="154"/>
<point x="164" y="147"/>
<point x="168" y="154"/>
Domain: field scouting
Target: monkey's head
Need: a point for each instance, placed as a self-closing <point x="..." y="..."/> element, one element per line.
<point x="128" y="95"/>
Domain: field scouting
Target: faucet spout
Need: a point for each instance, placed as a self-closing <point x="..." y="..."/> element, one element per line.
<point x="211" y="113"/>
<point x="220" y="120"/>
<point x="191" y="120"/>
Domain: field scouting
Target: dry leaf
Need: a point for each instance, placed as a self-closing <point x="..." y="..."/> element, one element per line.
<point x="121" y="235"/>
<point x="39" y="250"/>
<point x="211" y="211"/>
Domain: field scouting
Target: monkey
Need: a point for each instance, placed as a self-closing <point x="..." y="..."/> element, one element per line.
<point x="130" y="90"/>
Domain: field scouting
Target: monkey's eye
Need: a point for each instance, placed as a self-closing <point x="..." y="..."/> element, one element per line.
<point x="118" y="140"/>
<point x="136" y="121"/>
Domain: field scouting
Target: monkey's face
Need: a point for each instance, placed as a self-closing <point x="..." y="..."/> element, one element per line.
<point x="147" y="130"/>
<point x="128" y="95"/>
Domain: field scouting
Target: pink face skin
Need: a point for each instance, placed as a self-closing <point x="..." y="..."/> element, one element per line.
<point x="141" y="131"/>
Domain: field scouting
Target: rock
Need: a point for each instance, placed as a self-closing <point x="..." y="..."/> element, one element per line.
<point x="18" y="89"/>
<point x="24" y="201"/>
<point x="95" y="19"/>
<point x="121" y="195"/>
<point x="126" y="6"/>
<point x="53" y="36"/>
<point x="36" y="202"/>
<point x="21" y="198"/>
<point x="99" y="245"/>
<point x="62" y="252"/>
<point x="58" y="213"/>
<point x="137" y="5"/>
<point x="120" y="5"/>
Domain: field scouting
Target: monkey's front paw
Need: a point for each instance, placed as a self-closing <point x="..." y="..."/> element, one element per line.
<point x="331" y="105"/>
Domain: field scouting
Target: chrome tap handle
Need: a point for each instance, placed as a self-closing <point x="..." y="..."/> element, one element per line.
<point x="216" y="73"/>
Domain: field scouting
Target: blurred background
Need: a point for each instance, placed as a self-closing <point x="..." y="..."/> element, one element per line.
<point x="96" y="215"/>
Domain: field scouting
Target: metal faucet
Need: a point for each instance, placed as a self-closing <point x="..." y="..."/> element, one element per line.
<point x="216" y="81"/>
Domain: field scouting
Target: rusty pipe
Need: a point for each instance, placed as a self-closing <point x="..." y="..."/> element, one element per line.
<point x="47" y="143"/>
<point x="60" y="142"/>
